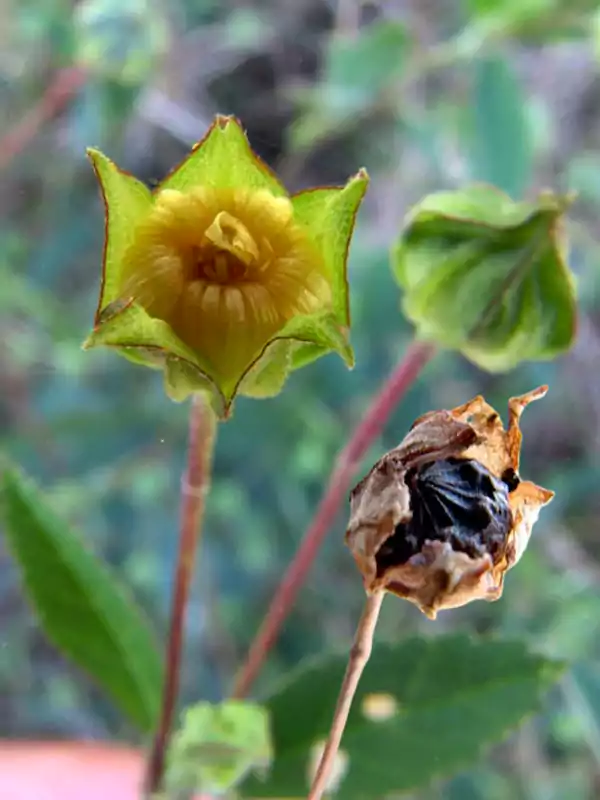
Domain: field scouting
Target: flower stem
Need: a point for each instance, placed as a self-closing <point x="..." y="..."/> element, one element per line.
<point x="194" y="488"/>
<point x="404" y="375"/>
<point x="64" y="86"/>
<point x="357" y="661"/>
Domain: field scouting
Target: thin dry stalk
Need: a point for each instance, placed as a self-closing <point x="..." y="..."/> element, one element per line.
<point x="414" y="360"/>
<point x="360" y="653"/>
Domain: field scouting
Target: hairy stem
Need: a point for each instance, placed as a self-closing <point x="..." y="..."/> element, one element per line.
<point x="404" y="375"/>
<point x="359" y="656"/>
<point x="194" y="488"/>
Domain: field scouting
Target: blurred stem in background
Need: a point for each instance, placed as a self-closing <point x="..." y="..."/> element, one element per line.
<point x="194" y="488"/>
<point x="60" y="91"/>
<point x="417" y="355"/>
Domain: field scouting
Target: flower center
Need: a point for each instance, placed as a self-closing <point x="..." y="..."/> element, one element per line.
<point x="220" y="267"/>
<point x="227" y="251"/>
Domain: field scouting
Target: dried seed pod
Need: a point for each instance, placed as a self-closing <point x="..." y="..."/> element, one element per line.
<point x="441" y="518"/>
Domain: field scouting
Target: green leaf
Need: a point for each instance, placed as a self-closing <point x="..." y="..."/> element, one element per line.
<point x="424" y="708"/>
<point x="218" y="746"/>
<point x="487" y="276"/>
<point x="357" y="67"/>
<point x="120" y="41"/>
<point x="126" y="203"/>
<point x="583" y="174"/>
<point x="501" y="150"/>
<point x="582" y="688"/>
<point x="329" y="215"/>
<point x="223" y="158"/>
<point x="79" y="603"/>
<point x="537" y="22"/>
<point x="356" y="72"/>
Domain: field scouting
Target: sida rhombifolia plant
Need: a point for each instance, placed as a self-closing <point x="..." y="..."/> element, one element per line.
<point x="226" y="284"/>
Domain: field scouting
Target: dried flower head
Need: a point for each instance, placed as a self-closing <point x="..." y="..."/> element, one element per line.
<point x="219" y="277"/>
<point x="442" y="517"/>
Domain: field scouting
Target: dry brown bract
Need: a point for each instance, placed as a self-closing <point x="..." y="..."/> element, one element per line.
<point x="442" y="517"/>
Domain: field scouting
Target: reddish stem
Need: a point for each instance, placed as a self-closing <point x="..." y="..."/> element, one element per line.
<point x="65" y="84"/>
<point x="194" y="487"/>
<point x="416" y="357"/>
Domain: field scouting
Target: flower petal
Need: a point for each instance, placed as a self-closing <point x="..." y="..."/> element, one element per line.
<point x="225" y="159"/>
<point x="126" y="203"/>
<point x="329" y="215"/>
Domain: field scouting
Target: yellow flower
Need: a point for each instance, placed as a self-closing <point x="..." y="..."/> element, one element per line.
<point x="219" y="277"/>
<point x="441" y="518"/>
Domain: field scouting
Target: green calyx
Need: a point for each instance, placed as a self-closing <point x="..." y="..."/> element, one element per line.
<point x="487" y="276"/>
<point x="223" y="160"/>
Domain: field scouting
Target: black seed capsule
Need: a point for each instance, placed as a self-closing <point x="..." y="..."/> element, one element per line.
<point x="452" y="500"/>
<point x="511" y="479"/>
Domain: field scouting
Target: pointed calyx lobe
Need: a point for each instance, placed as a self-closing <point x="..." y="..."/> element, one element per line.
<point x="442" y="517"/>
<point x="218" y="277"/>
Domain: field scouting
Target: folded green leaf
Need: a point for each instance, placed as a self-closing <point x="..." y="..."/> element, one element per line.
<point x="79" y="603"/>
<point x="487" y="276"/>
<point x="424" y="708"/>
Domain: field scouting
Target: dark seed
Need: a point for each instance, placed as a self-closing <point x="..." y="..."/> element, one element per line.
<point x="452" y="500"/>
<point x="511" y="479"/>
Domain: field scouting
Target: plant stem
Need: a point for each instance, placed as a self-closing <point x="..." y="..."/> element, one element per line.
<point x="404" y="375"/>
<point x="194" y="488"/>
<point x="64" y="86"/>
<point x="359" y="656"/>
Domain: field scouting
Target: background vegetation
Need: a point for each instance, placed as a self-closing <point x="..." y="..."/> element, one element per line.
<point x="426" y="95"/>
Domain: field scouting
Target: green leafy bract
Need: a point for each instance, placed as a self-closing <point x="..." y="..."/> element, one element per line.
<point x="217" y="746"/>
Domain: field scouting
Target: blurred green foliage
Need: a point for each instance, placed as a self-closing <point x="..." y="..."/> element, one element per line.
<point x="107" y="446"/>
<point x="423" y="708"/>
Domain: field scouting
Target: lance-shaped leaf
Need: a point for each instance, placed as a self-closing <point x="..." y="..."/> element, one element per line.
<point x="79" y="603"/>
<point x="207" y="277"/>
<point x="487" y="276"/>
